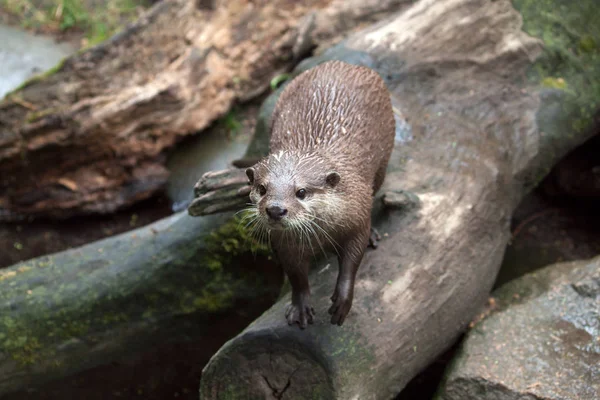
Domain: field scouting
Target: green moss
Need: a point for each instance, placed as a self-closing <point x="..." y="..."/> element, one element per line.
<point x="225" y="246"/>
<point x="556" y="83"/>
<point x="83" y="291"/>
<point x="14" y="340"/>
<point x="588" y="44"/>
<point x="570" y="32"/>
<point x="278" y="80"/>
<point x="567" y="72"/>
<point x="33" y="116"/>
<point x="231" y="122"/>
<point x="97" y="20"/>
<point x="232" y="240"/>
<point x="37" y="78"/>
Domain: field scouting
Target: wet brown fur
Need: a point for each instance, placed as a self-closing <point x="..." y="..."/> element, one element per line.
<point x="332" y="133"/>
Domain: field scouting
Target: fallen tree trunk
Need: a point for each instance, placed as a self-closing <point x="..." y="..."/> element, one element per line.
<point x="162" y="284"/>
<point x="485" y="110"/>
<point x="89" y="136"/>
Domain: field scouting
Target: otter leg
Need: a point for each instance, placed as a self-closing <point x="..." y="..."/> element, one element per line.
<point x="299" y="311"/>
<point x="296" y="269"/>
<point x="349" y="260"/>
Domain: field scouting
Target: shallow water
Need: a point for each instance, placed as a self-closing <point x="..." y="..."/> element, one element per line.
<point x="207" y="151"/>
<point x="23" y="55"/>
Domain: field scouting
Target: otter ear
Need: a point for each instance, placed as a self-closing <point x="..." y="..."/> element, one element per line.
<point x="333" y="178"/>
<point x="250" y="174"/>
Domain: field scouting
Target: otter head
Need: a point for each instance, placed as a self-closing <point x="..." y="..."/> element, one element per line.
<point x="289" y="190"/>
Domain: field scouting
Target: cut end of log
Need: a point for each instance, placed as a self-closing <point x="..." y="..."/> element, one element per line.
<point x="259" y="367"/>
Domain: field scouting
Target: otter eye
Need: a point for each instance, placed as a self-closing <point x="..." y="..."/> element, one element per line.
<point x="301" y="194"/>
<point x="262" y="190"/>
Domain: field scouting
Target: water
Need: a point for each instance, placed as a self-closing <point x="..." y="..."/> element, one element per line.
<point x="23" y="55"/>
<point x="208" y="151"/>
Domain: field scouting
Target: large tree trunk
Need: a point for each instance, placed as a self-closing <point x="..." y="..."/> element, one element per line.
<point x="89" y="136"/>
<point x="164" y="283"/>
<point x="476" y="131"/>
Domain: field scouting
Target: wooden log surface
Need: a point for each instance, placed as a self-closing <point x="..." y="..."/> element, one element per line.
<point x="483" y="116"/>
<point x="165" y="283"/>
<point x="90" y="135"/>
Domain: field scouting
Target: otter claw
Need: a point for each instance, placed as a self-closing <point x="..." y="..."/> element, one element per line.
<point x="300" y="314"/>
<point x="334" y="296"/>
<point x="339" y="310"/>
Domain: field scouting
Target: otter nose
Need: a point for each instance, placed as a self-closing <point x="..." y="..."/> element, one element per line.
<point x="276" y="212"/>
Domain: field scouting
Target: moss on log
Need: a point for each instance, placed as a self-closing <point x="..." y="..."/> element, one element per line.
<point x="480" y="121"/>
<point x="66" y="312"/>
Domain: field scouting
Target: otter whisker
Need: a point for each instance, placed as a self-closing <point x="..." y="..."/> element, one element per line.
<point x="305" y="228"/>
<point x="258" y="230"/>
<point x="251" y="220"/>
<point x="249" y="208"/>
<point x="327" y="236"/>
<point x="298" y="228"/>
<point x="252" y="233"/>
<point x="327" y="224"/>
<point x="324" y="221"/>
<point x="310" y="225"/>
<point x="305" y="235"/>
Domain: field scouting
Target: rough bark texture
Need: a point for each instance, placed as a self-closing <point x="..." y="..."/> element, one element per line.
<point x="164" y="283"/>
<point x="541" y="342"/>
<point x="480" y="122"/>
<point x="89" y="136"/>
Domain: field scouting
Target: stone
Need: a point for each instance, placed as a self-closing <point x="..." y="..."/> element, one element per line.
<point x="542" y="341"/>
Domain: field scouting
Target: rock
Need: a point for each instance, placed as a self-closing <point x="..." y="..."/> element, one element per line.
<point x="542" y="342"/>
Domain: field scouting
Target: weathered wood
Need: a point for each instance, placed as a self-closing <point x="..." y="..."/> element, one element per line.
<point x="89" y="136"/>
<point x="121" y="296"/>
<point x="483" y="116"/>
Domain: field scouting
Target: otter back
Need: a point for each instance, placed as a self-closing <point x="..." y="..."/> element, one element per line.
<point x="341" y="111"/>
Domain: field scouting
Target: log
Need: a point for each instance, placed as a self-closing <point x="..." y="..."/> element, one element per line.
<point x="89" y="136"/>
<point x="484" y="111"/>
<point x="165" y="283"/>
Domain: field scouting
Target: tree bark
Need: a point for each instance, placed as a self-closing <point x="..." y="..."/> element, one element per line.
<point x="121" y="296"/>
<point x="90" y="135"/>
<point x="482" y="116"/>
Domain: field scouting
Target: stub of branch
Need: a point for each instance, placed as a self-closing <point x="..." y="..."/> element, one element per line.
<point x="220" y="191"/>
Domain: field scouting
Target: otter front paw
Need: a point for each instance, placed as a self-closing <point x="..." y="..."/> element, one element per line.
<point x="340" y="308"/>
<point x="300" y="313"/>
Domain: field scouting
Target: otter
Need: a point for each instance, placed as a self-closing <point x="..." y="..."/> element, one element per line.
<point x="332" y="133"/>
